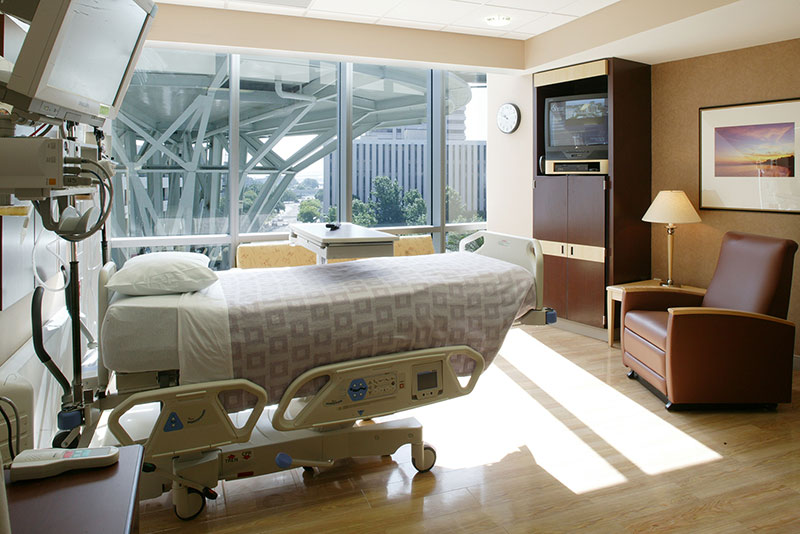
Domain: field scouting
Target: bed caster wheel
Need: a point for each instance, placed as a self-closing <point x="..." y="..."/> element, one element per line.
<point x="58" y="440"/>
<point x="426" y="463"/>
<point x="190" y="504"/>
<point x="308" y="470"/>
<point x="632" y="374"/>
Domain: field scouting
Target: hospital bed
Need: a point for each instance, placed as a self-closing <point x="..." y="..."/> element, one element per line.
<point x="334" y="345"/>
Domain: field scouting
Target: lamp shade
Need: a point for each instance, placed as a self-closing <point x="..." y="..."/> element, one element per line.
<point x="671" y="207"/>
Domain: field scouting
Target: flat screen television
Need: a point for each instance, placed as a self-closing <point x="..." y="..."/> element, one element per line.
<point x="576" y="133"/>
<point x="78" y="58"/>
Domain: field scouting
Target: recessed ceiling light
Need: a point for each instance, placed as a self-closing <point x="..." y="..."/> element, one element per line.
<point x="498" y="20"/>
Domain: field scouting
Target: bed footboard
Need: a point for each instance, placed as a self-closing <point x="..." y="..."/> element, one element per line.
<point x="523" y="251"/>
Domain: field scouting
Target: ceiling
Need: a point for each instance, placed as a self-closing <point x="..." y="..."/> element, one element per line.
<point x="528" y="17"/>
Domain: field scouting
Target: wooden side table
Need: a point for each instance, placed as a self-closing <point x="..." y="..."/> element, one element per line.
<point x="103" y="500"/>
<point x="614" y="293"/>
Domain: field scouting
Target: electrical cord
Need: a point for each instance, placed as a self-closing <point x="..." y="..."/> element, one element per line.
<point x="16" y="418"/>
<point x="8" y="428"/>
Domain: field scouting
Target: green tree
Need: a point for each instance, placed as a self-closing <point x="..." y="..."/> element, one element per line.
<point x="387" y="197"/>
<point x="248" y="198"/>
<point x="414" y="209"/>
<point x="318" y="195"/>
<point x="310" y="210"/>
<point x="308" y="183"/>
<point x="289" y="196"/>
<point x="331" y="215"/>
<point x="363" y="213"/>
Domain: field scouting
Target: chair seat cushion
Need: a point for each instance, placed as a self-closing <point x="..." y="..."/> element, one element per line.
<point x="649" y="325"/>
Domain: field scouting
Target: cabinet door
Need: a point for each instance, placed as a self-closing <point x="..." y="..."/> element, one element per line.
<point x="550" y="227"/>
<point x="550" y="209"/>
<point x="586" y="223"/>
<point x="586" y="255"/>
<point x="586" y="292"/>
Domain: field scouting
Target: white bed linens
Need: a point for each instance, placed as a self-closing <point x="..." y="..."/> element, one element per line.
<point x="270" y="325"/>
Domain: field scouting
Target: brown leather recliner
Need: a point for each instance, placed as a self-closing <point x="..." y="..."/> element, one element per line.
<point x="731" y="346"/>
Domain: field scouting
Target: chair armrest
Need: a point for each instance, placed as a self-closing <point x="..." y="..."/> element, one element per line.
<point x="723" y="355"/>
<point x="656" y="299"/>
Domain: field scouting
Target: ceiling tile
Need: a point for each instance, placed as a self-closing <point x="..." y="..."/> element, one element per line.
<point x="546" y="23"/>
<point x="347" y="17"/>
<point x="518" y="35"/>
<point x="262" y="7"/>
<point x="488" y="32"/>
<point x="584" y="7"/>
<point x="369" y="8"/>
<point x="410" y="24"/>
<point x="547" y="6"/>
<point x="290" y="3"/>
<point x="477" y="18"/>
<point x="441" y="11"/>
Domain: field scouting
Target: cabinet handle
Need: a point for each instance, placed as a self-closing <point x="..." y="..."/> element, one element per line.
<point x="571" y="251"/>
<point x="562" y="249"/>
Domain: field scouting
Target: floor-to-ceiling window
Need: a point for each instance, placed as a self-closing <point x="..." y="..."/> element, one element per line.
<point x="219" y="149"/>
<point x="465" y="161"/>
<point x="287" y="127"/>
<point x="171" y="142"/>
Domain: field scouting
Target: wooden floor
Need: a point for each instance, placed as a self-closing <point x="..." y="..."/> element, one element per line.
<point x="554" y="438"/>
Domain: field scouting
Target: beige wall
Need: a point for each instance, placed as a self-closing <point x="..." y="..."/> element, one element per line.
<point x="509" y="158"/>
<point x="222" y="29"/>
<point x="680" y="88"/>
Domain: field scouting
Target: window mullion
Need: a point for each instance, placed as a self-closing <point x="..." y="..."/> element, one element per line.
<point x="344" y="116"/>
<point x="436" y="141"/>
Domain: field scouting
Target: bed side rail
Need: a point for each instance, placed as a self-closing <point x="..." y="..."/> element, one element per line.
<point x="382" y="385"/>
<point x="523" y="251"/>
<point x="192" y="418"/>
<point x="103" y="295"/>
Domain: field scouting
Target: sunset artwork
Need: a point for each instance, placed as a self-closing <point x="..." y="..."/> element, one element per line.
<point x="754" y="150"/>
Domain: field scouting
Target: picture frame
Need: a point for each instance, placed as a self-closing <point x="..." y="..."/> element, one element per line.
<point x="748" y="157"/>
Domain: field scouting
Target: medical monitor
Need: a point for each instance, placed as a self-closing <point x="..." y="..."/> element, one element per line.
<point x="78" y="58"/>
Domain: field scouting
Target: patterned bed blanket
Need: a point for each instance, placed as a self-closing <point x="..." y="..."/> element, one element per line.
<point x="286" y="321"/>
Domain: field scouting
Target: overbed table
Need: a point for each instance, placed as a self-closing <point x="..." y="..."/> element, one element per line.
<point x="348" y="241"/>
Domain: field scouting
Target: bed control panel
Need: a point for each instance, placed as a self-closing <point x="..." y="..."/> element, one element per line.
<point x="378" y="385"/>
<point x="372" y="387"/>
<point x="426" y="380"/>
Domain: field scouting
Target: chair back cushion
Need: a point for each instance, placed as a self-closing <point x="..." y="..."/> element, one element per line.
<point x="754" y="274"/>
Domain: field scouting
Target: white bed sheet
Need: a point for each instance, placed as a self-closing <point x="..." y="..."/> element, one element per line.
<point x="143" y="334"/>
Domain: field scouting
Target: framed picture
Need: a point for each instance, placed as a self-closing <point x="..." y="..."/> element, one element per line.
<point x="748" y="157"/>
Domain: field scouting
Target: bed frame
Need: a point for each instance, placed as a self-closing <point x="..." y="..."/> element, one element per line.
<point x="190" y="442"/>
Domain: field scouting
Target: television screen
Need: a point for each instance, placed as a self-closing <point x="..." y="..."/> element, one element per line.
<point x="578" y="122"/>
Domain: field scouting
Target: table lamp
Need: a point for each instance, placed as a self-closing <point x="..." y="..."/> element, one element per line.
<point x="671" y="208"/>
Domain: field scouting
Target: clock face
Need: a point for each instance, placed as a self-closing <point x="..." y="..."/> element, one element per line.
<point x="508" y="118"/>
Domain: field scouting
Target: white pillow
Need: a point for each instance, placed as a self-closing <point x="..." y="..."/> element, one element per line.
<point x="202" y="259"/>
<point x="161" y="276"/>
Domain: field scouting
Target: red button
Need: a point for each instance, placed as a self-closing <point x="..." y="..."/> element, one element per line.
<point x="68" y="454"/>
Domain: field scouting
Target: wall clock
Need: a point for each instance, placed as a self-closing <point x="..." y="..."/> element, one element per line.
<point x="508" y="118"/>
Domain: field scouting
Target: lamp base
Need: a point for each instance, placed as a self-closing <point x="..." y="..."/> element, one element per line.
<point x="670" y="283"/>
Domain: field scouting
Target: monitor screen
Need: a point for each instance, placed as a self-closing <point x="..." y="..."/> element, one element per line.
<point x="96" y="41"/>
<point x="78" y="57"/>
<point x="578" y="122"/>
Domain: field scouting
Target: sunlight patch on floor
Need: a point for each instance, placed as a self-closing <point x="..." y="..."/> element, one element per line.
<point x="499" y="418"/>
<point x="652" y="444"/>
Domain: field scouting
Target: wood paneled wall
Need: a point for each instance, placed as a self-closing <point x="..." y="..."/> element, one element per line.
<point x="679" y="89"/>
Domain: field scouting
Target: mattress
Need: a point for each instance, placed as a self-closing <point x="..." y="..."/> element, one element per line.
<point x="141" y="333"/>
<point x="271" y="325"/>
